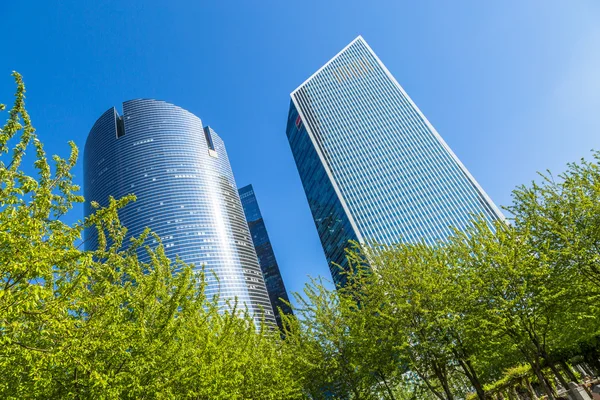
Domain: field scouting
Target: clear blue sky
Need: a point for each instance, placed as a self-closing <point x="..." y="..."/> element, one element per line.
<point x="513" y="86"/>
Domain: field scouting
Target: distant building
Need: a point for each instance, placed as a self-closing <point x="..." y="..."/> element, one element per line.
<point x="264" y="251"/>
<point x="372" y="166"/>
<point x="185" y="191"/>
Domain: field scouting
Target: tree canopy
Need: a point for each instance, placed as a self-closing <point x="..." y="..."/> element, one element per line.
<point x="493" y="310"/>
<point x="102" y="324"/>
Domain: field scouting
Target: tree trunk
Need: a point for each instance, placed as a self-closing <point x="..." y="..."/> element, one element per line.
<point x="443" y="378"/>
<point x="559" y="376"/>
<point x="534" y="361"/>
<point x="529" y="388"/>
<point x="514" y="392"/>
<point x="387" y="387"/>
<point x="511" y="394"/>
<point x="472" y="375"/>
<point x="568" y="371"/>
<point x="543" y="382"/>
<point x="427" y="383"/>
<point x="549" y="385"/>
<point x="584" y="369"/>
<point x="591" y="359"/>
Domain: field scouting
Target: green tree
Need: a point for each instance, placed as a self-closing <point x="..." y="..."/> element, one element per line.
<point x="101" y="324"/>
<point x="422" y="298"/>
<point x="343" y="343"/>
<point x="521" y="295"/>
<point x="412" y="322"/>
<point x="563" y="216"/>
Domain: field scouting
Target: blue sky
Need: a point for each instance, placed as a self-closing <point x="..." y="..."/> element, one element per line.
<point x="512" y="86"/>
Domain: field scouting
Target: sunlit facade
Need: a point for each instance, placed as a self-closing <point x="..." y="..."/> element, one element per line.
<point x="264" y="251"/>
<point x="186" y="193"/>
<point x="373" y="168"/>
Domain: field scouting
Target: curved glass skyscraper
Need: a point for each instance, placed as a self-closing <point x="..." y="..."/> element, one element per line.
<point x="372" y="166"/>
<point x="185" y="191"/>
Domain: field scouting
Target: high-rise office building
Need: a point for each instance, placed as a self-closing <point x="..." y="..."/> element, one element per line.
<point x="372" y="166"/>
<point x="264" y="251"/>
<point x="186" y="193"/>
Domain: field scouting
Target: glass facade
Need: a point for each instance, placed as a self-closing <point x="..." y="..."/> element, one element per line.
<point x="264" y="251"/>
<point x="186" y="193"/>
<point x="372" y="166"/>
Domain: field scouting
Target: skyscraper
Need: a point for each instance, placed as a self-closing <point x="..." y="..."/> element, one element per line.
<point x="264" y="251"/>
<point x="372" y="166"/>
<point x="186" y="193"/>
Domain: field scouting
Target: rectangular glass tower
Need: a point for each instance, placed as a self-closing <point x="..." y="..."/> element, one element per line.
<point x="264" y="251"/>
<point x="372" y="166"/>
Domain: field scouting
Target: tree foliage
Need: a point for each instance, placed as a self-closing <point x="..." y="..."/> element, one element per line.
<point x="495" y="309"/>
<point x="102" y="324"/>
<point x="450" y="318"/>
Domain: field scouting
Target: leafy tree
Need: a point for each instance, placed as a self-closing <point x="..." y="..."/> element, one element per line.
<point x="522" y="296"/>
<point x="101" y="324"/>
<point x="563" y="216"/>
<point x="393" y="326"/>
<point x="412" y="321"/>
<point x="345" y="346"/>
<point x="423" y="299"/>
<point x="452" y="316"/>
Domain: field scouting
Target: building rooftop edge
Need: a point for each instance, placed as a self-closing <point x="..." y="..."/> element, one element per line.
<point x="358" y="38"/>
